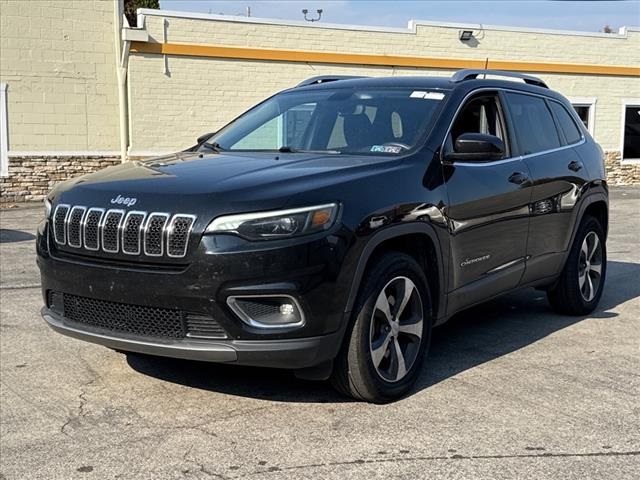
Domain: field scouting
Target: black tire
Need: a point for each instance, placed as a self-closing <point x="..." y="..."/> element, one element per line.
<point x="567" y="296"/>
<point x="354" y="372"/>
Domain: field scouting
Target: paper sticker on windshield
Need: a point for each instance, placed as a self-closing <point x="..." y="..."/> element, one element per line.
<point x="386" y="149"/>
<point x="434" y="96"/>
<point x="427" y="95"/>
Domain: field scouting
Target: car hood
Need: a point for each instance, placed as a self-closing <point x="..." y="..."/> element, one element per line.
<point x="192" y="182"/>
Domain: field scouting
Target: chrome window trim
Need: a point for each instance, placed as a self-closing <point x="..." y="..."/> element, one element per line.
<point x="102" y="224"/>
<point x="510" y="159"/>
<point x="122" y="230"/>
<point x="64" y="229"/>
<point x="170" y="230"/>
<point x="162" y="234"/>
<point x="66" y="225"/>
<point x="231" y="302"/>
<point x="84" y="228"/>
<point x="553" y="150"/>
<point x="521" y="157"/>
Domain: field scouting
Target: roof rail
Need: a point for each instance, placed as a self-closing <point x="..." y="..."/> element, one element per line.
<point x="468" y="74"/>
<point x="326" y="79"/>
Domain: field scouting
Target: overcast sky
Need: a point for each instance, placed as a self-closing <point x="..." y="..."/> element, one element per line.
<point x="587" y="15"/>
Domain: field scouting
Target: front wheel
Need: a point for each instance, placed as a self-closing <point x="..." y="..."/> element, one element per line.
<point x="381" y="357"/>
<point x="580" y="286"/>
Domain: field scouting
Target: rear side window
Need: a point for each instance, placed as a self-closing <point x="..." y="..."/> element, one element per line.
<point x="567" y="125"/>
<point x="534" y="126"/>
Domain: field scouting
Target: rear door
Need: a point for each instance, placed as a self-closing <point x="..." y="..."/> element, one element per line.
<point x="488" y="209"/>
<point x="546" y="133"/>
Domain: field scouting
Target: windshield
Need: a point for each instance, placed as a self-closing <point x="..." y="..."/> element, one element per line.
<point x="386" y="121"/>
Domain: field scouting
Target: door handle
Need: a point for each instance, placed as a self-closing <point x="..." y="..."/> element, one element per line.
<point x="575" y="166"/>
<point x="518" y="178"/>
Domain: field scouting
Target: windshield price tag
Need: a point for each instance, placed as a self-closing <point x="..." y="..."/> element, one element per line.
<point x="427" y="95"/>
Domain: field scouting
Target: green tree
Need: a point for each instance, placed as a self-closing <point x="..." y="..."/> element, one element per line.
<point x="130" y="7"/>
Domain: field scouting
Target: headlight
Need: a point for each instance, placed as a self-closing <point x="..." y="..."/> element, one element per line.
<point x="47" y="208"/>
<point x="277" y="224"/>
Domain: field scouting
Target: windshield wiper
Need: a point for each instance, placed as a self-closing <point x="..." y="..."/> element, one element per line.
<point x="214" y="147"/>
<point x="288" y="149"/>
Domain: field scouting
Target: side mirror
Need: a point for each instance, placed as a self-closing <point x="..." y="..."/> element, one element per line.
<point x="476" y="147"/>
<point x="204" y="137"/>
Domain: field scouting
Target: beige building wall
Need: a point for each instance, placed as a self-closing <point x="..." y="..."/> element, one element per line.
<point x="174" y="99"/>
<point x="58" y="61"/>
<point x="58" y="64"/>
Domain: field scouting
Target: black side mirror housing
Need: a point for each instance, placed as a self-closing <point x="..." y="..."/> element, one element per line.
<point x="204" y="137"/>
<point x="476" y="147"/>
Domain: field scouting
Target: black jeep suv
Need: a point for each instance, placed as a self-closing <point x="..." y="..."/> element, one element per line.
<point x="330" y="228"/>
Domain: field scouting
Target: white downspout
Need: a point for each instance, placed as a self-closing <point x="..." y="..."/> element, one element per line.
<point x="121" y="72"/>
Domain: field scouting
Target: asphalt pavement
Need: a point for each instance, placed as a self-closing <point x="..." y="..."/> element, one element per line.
<point x="510" y="390"/>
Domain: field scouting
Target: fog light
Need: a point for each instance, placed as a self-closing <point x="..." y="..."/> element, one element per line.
<point x="267" y="311"/>
<point x="286" y="309"/>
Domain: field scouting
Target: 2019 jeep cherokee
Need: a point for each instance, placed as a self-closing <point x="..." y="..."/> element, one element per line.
<point x="329" y="228"/>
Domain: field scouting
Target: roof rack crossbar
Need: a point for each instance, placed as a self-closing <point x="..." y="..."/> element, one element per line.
<point x="468" y="74"/>
<point x="325" y="79"/>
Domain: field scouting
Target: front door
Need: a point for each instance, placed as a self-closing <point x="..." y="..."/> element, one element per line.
<point x="488" y="210"/>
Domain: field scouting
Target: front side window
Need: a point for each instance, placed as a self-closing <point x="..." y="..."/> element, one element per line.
<point x="533" y="123"/>
<point x="481" y="114"/>
<point x="350" y="121"/>
<point x="569" y="128"/>
<point x="631" y="141"/>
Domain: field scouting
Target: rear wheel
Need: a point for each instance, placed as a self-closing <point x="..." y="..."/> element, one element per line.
<point x="579" y="288"/>
<point x="381" y="357"/>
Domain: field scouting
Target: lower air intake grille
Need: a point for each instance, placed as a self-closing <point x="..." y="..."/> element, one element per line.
<point x="134" y="319"/>
<point x="120" y="317"/>
<point x="203" y="326"/>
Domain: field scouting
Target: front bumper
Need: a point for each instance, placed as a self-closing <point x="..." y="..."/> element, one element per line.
<point x="287" y="353"/>
<point x="312" y="271"/>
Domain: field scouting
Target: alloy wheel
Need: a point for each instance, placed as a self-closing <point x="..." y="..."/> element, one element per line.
<point x="590" y="266"/>
<point x="396" y="329"/>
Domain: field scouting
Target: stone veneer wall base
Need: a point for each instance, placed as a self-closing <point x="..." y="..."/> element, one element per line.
<point x="619" y="173"/>
<point x="31" y="178"/>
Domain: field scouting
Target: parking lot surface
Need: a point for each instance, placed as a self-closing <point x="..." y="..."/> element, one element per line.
<point x="510" y="390"/>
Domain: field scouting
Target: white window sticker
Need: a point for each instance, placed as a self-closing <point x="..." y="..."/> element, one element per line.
<point x="433" y="96"/>
<point x="427" y="95"/>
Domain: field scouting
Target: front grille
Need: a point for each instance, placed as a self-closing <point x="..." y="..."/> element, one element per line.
<point x="179" y="229"/>
<point x="114" y="231"/>
<point x="154" y="234"/>
<point x="73" y="226"/>
<point x="133" y="319"/>
<point x="91" y="228"/>
<point x="59" y="223"/>
<point x="131" y="232"/>
<point x="111" y="230"/>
